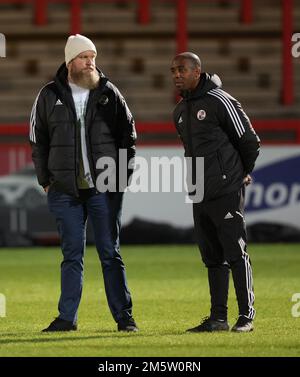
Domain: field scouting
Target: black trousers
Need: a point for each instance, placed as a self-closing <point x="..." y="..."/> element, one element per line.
<point x="221" y="235"/>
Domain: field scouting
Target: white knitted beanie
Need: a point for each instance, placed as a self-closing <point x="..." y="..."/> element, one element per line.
<point x="76" y="44"/>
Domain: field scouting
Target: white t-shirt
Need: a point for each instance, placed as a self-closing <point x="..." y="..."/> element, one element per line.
<point x="80" y="97"/>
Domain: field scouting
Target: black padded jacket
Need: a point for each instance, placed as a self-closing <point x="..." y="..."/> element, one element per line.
<point x="54" y="135"/>
<point x="213" y="125"/>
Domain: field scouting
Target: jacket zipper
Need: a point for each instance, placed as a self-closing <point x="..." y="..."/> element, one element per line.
<point x="76" y="128"/>
<point x="190" y="141"/>
<point x="89" y="147"/>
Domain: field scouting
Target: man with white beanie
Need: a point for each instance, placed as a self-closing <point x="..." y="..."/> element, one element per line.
<point x="79" y="120"/>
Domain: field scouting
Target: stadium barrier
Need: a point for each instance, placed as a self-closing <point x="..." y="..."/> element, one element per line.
<point x="15" y="151"/>
<point x="272" y="202"/>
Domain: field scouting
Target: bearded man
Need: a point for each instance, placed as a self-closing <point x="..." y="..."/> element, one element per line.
<point x="76" y="120"/>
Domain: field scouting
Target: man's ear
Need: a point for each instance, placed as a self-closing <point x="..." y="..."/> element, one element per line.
<point x="197" y="73"/>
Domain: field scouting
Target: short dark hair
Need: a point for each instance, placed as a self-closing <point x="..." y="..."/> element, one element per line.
<point x="192" y="57"/>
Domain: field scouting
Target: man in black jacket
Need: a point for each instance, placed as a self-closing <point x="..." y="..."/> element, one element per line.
<point x="79" y="122"/>
<point x="212" y="125"/>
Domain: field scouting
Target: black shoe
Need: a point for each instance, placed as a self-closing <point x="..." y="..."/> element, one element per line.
<point x="243" y="324"/>
<point x="210" y="325"/>
<point x="127" y="325"/>
<point x="60" y="325"/>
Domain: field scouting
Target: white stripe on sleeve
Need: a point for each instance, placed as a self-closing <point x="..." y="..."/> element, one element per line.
<point x="221" y="95"/>
<point x="32" y="135"/>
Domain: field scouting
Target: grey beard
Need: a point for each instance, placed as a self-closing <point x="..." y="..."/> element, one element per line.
<point x="85" y="81"/>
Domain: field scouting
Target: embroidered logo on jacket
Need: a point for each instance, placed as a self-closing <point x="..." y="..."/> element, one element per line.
<point x="103" y="100"/>
<point x="201" y="114"/>
<point x="228" y="216"/>
<point x="58" y="102"/>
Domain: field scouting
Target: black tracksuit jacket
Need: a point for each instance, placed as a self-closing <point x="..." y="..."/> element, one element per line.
<point x="54" y="131"/>
<point x="213" y="125"/>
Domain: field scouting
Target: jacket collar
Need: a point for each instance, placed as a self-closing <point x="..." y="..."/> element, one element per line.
<point x="206" y="83"/>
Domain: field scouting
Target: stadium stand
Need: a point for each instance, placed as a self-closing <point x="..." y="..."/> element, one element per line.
<point x="137" y="56"/>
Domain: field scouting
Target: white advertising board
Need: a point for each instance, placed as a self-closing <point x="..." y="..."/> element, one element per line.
<point x="274" y="195"/>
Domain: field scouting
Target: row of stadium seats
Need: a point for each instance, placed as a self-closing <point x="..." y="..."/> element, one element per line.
<point x="119" y="17"/>
<point x="137" y="57"/>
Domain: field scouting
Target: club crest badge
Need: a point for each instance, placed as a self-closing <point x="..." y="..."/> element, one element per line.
<point x="201" y="114"/>
<point x="103" y="100"/>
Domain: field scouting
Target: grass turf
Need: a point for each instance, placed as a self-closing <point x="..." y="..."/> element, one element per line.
<point x="170" y="294"/>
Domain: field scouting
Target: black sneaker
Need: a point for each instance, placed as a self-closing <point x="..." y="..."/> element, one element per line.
<point x="210" y="325"/>
<point x="128" y="325"/>
<point x="243" y="324"/>
<point x="60" y="325"/>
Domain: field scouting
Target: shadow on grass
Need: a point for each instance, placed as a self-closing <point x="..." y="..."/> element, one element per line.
<point x="16" y="338"/>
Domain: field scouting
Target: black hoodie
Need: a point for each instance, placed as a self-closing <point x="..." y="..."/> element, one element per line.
<point x="54" y="131"/>
<point x="213" y="125"/>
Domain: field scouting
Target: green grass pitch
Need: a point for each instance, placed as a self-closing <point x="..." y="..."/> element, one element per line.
<point x="170" y="294"/>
